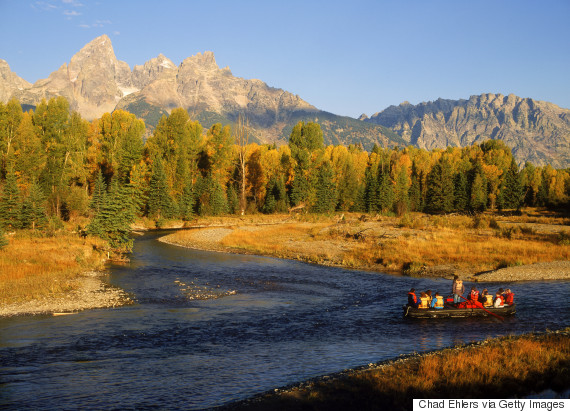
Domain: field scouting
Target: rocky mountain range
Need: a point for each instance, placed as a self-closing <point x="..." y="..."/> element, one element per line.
<point x="536" y="131"/>
<point x="95" y="82"/>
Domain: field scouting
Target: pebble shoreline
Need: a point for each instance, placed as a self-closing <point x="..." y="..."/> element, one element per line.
<point x="91" y="292"/>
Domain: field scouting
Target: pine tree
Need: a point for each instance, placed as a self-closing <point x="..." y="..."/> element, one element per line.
<point x="326" y="191"/>
<point x="385" y="191"/>
<point x="439" y="198"/>
<point x="212" y="199"/>
<point x="233" y="200"/>
<point x="10" y="203"/>
<point x="414" y="192"/>
<point x="114" y="220"/>
<point x="371" y="192"/>
<point x="512" y="193"/>
<point x="99" y="193"/>
<point x="160" y="205"/>
<point x="33" y="209"/>
<point x="187" y="201"/>
<point x="460" y="193"/>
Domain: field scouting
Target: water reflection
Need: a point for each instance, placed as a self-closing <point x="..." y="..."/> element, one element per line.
<point x="263" y="323"/>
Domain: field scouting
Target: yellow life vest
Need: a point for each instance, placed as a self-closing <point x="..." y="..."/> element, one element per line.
<point x="424" y="302"/>
<point x="438" y="301"/>
<point x="489" y="301"/>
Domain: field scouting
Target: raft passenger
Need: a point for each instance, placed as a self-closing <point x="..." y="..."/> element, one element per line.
<point x="509" y="297"/>
<point x="423" y="301"/>
<point x="457" y="289"/>
<point x="430" y="297"/>
<point x="437" y="302"/>
<point x="412" y="298"/>
<point x="499" y="302"/>
<point x="474" y="294"/>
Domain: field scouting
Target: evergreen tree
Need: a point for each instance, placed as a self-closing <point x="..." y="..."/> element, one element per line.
<point x="439" y="198"/>
<point x="414" y="192"/>
<point x="233" y="200"/>
<point x="460" y="192"/>
<point x="275" y="197"/>
<point x="212" y="199"/>
<point x="160" y="205"/>
<point x="114" y="220"/>
<point x="10" y="203"/>
<point x="99" y="193"/>
<point x="33" y="209"/>
<point x="326" y="191"/>
<point x="385" y="192"/>
<point x="187" y="201"/>
<point x="371" y="192"/>
<point x="513" y="190"/>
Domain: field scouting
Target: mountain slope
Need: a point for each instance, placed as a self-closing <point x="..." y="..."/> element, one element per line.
<point x="536" y="131"/>
<point x="95" y="82"/>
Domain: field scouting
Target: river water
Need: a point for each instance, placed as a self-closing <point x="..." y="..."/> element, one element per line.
<point x="212" y="328"/>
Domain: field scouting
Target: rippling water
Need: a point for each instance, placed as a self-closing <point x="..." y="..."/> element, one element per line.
<point x="211" y="328"/>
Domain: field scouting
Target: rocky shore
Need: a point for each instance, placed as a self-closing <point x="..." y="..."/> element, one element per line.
<point x="90" y="291"/>
<point x="210" y="239"/>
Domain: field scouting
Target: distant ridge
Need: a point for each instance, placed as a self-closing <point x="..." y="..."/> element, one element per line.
<point x="95" y="82"/>
<point x="536" y="131"/>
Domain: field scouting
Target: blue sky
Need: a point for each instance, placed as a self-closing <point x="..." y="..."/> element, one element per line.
<point x="344" y="57"/>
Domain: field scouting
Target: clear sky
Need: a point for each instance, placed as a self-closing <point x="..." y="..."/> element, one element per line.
<point x="346" y="57"/>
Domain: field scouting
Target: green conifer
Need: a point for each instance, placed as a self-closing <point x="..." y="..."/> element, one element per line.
<point x="326" y="190"/>
<point x="33" y="209"/>
<point x="512" y="193"/>
<point x="460" y="193"/>
<point x="10" y="203"/>
<point x="99" y="193"/>
<point x="160" y="205"/>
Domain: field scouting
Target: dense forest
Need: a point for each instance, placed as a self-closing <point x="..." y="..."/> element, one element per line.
<point x="56" y="166"/>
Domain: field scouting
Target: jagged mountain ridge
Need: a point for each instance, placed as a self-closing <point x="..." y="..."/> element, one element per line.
<point x="95" y="82"/>
<point x="536" y="131"/>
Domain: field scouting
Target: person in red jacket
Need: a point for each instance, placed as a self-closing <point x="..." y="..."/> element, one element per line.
<point x="509" y="297"/>
<point x="474" y="294"/>
<point x="413" y="300"/>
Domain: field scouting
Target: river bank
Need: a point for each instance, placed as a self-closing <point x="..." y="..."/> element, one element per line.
<point x="60" y="273"/>
<point x="507" y="367"/>
<point x="90" y="291"/>
<point x="479" y="250"/>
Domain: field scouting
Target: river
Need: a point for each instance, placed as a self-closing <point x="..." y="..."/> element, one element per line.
<point x="211" y="328"/>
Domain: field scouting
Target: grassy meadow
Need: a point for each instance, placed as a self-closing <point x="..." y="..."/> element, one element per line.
<point x="413" y="244"/>
<point x="497" y="368"/>
<point x="34" y="265"/>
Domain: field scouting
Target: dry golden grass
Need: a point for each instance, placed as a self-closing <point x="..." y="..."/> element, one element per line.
<point x="466" y="250"/>
<point x="499" y="368"/>
<point x="32" y="267"/>
<point x="469" y="244"/>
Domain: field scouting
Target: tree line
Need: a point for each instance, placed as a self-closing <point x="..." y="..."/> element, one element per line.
<point x="56" y="166"/>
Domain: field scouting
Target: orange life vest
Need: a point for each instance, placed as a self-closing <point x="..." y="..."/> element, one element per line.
<point x="474" y="295"/>
<point x="510" y="297"/>
<point x="414" y="295"/>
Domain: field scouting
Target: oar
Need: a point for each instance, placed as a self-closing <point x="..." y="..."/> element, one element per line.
<point x="479" y="305"/>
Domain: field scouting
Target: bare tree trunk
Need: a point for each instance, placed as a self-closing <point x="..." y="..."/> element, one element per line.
<point x="242" y="138"/>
